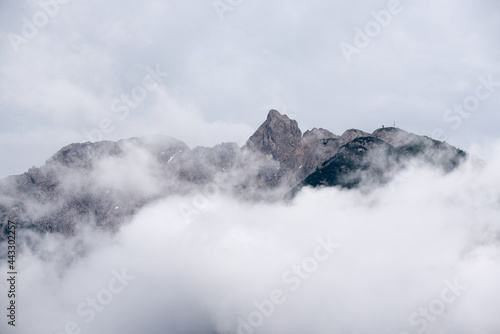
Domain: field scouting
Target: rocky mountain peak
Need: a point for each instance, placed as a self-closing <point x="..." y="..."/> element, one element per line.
<point x="316" y="134"/>
<point x="278" y="136"/>
<point x="82" y="155"/>
<point x="352" y="134"/>
<point x="275" y="114"/>
<point x="394" y="136"/>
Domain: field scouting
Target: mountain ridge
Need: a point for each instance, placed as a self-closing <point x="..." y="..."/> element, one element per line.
<point x="106" y="182"/>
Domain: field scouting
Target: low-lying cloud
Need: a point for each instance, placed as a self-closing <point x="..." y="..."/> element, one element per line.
<point x="417" y="256"/>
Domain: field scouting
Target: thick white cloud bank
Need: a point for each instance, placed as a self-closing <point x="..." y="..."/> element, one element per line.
<point x="418" y="256"/>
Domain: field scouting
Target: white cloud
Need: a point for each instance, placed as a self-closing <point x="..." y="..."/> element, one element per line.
<point x="400" y="248"/>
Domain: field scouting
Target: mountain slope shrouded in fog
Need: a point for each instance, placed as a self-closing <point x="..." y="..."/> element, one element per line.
<point x="292" y="233"/>
<point x="418" y="255"/>
<point x="104" y="183"/>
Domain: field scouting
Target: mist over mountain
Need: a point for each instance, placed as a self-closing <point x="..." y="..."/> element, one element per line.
<point x="234" y="167"/>
<point x="294" y="232"/>
<point x="105" y="183"/>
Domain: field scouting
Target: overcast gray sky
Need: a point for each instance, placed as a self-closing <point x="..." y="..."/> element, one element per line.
<point x="77" y="65"/>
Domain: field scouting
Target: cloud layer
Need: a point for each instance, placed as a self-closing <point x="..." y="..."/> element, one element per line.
<point x="420" y="255"/>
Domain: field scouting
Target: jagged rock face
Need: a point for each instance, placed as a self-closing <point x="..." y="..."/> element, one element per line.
<point x="106" y="182"/>
<point x="317" y="146"/>
<point x="279" y="137"/>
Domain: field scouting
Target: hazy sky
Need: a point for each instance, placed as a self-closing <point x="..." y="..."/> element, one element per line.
<point x="75" y="66"/>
